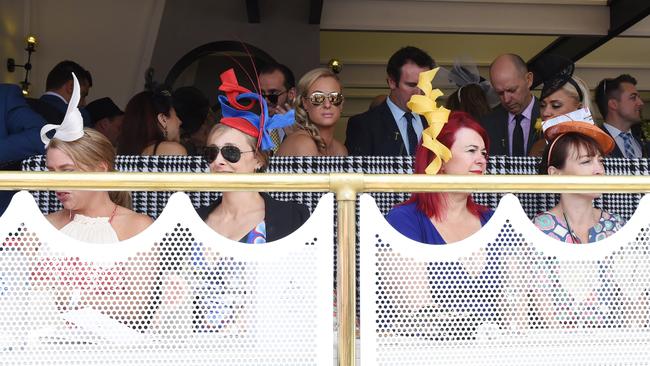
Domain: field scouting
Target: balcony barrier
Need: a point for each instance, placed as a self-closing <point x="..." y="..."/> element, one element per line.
<point x="588" y="300"/>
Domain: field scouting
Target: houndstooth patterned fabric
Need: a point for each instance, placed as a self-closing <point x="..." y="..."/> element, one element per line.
<point x="152" y="203"/>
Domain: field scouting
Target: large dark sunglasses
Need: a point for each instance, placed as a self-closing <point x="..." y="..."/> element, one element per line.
<point x="318" y="98"/>
<point x="231" y="153"/>
<point x="273" y="98"/>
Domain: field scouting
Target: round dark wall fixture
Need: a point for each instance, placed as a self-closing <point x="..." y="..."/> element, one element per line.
<point x="215" y="48"/>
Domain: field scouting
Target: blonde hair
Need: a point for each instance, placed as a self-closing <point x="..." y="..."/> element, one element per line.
<point x="262" y="156"/>
<point x="570" y="89"/>
<point x="302" y="118"/>
<point x="89" y="152"/>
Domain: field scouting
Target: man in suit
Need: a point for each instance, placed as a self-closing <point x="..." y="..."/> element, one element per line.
<point x="511" y="125"/>
<point x="278" y="87"/>
<point x="20" y="129"/>
<point x="108" y="118"/>
<point x="620" y="105"/>
<point x="390" y="129"/>
<point x="59" y="85"/>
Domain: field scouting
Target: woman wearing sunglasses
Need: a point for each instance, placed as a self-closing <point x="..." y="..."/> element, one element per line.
<point x="239" y="145"/>
<point x="318" y="106"/>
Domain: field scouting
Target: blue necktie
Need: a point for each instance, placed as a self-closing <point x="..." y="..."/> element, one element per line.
<point x="627" y="145"/>
<point x="410" y="133"/>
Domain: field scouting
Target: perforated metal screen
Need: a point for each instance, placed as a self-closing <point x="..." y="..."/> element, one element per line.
<point x="178" y="293"/>
<point x="508" y="295"/>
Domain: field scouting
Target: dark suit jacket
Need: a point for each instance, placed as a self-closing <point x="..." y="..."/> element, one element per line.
<point x="20" y="129"/>
<point x="637" y="133"/>
<point x="375" y="132"/>
<point x="496" y="124"/>
<point x="281" y="217"/>
<point x="53" y="109"/>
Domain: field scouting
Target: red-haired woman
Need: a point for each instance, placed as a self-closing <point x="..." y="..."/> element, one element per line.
<point x="440" y="218"/>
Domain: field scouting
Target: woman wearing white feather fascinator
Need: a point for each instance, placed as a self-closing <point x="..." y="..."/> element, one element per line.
<point x="99" y="217"/>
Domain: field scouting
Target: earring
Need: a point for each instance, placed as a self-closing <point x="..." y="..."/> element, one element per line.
<point x="165" y="131"/>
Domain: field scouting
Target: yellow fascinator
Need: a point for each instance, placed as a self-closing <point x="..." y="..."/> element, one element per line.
<point x="436" y="117"/>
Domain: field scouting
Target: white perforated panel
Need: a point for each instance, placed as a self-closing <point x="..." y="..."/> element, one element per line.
<point x="508" y="295"/>
<point x="178" y="293"/>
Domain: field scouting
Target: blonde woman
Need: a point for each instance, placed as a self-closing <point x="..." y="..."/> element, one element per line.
<point x="318" y="105"/>
<point x="562" y="93"/>
<point x="92" y="216"/>
<point x="95" y="217"/>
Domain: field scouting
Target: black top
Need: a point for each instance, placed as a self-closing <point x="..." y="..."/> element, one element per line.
<point x="281" y="217"/>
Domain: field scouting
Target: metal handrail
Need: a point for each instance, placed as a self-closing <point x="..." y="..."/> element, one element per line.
<point x="322" y="182"/>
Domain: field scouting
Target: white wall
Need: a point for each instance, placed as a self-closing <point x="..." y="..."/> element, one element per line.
<point x="112" y="39"/>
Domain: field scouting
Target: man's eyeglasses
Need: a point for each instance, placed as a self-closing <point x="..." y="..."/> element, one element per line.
<point x="273" y="98"/>
<point x="230" y="153"/>
<point x="318" y="98"/>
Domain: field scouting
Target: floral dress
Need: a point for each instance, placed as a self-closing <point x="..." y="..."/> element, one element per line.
<point x="556" y="227"/>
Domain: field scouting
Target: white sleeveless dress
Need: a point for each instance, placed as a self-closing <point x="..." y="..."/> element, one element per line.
<point x="91" y="229"/>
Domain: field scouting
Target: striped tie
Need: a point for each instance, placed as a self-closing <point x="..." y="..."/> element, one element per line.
<point x="627" y="145"/>
<point x="275" y="136"/>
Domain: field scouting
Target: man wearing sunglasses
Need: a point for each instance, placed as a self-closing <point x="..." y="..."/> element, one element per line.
<point x="278" y="88"/>
<point x="390" y="129"/>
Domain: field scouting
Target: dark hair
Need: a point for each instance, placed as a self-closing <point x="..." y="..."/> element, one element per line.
<point x="471" y="99"/>
<point x="141" y="117"/>
<point x="192" y="107"/>
<point x="433" y="204"/>
<point x="610" y="89"/>
<point x="62" y="73"/>
<point x="289" y="78"/>
<point x="562" y="148"/>
<point x="405" y="55"/>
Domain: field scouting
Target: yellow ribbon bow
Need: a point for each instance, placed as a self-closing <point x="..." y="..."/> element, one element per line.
<point x="436" y="117"/>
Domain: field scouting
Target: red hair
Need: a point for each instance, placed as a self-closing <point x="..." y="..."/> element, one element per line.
<point x="434" y="204"/>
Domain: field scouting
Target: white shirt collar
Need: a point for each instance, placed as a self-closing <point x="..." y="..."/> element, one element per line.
<point x="56" y="95"/>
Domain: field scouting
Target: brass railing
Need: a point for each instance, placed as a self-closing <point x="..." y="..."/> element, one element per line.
<point x="345" y="186"/>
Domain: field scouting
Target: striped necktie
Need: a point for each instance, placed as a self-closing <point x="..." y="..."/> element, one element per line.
<point x="627" y="145"/>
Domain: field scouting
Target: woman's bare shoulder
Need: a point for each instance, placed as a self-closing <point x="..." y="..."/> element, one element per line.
<point x="171" y="148"/>
<point x="129" y="223"/>
<point x="338" y="149"/>
<point x="165" y="148"/>
<point x="299" y="143"/>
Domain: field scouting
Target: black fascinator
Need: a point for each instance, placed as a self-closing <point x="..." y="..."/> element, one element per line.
<point x="554" y="71"/>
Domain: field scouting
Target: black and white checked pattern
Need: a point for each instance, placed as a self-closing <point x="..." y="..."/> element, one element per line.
<point x="152" y="203"/>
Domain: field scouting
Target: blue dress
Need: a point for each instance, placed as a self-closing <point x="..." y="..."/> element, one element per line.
<point x="463" y="301"/>
<point x="415" y="225"/>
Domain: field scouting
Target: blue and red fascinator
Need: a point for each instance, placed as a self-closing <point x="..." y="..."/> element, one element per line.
<point x="236" y="108"/>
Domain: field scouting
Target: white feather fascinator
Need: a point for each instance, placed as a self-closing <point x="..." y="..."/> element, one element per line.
<point x="72" y="127"/>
